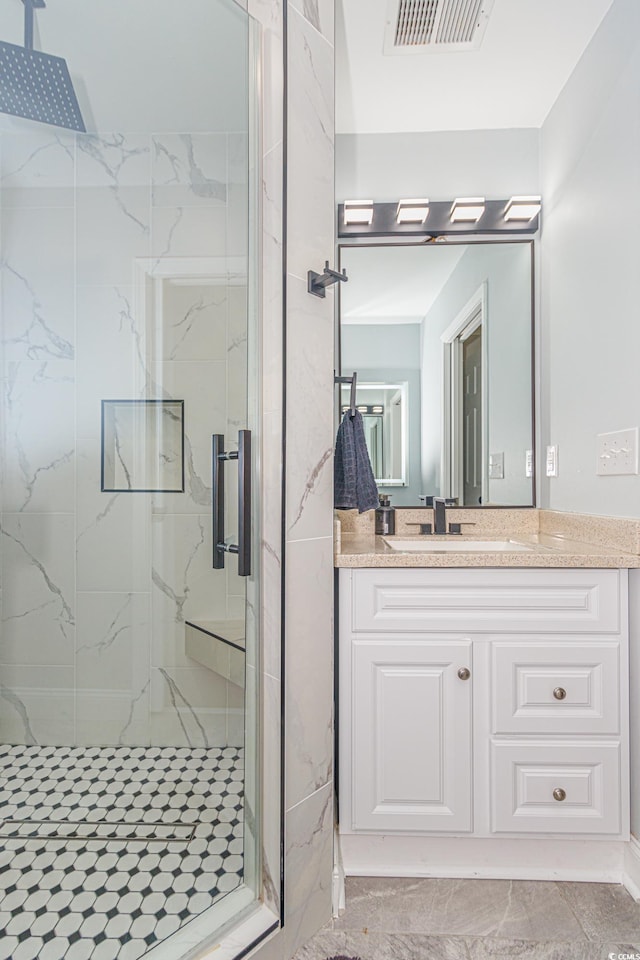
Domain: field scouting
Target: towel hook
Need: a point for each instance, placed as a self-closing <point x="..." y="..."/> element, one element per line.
<point x="317" y="282"/>
<point x="353" y="380"/>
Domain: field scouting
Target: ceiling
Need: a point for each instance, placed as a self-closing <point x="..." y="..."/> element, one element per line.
<point x="395" y="284"/>
<point x="529" y="50"/>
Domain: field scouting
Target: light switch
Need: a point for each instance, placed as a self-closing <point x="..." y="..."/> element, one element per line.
<point x="617" y="453"/>
<point x="552" y="460"/>
<point x="496" y="466"/>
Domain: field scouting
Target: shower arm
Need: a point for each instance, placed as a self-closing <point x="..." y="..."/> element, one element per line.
<point x="29" y="7"/>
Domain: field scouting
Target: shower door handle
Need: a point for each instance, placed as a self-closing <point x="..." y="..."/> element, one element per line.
<point x="218" y="459"/>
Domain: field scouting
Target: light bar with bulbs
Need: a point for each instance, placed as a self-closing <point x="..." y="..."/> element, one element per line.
<point x="439" y="218"/>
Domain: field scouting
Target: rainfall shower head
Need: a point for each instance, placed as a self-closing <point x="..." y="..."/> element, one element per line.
<point x="35" y="85"/>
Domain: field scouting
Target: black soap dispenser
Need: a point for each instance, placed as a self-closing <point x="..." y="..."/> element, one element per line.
<point x="385" y="516"/>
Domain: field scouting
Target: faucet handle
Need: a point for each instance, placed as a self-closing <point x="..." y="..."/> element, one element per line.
<point x="456" y="527"/>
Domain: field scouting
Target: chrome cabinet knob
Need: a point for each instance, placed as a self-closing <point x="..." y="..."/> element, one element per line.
<point x="463" y="673"/>
<point x="559" y="693"/>
<point x="559" y="794"/>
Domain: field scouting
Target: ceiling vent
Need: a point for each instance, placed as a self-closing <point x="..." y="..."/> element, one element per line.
<point x="435" y="26"/>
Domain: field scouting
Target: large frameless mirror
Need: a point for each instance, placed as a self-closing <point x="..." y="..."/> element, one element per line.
<point x="440" y="335"/>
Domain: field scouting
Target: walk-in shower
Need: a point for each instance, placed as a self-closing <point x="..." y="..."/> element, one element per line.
<point x="129" y="635"/>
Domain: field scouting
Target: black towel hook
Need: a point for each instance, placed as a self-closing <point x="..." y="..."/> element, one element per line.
<point x="353" y="380"/>
<point x="317" y="282"/>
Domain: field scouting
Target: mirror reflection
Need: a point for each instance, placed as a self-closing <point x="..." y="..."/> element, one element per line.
<point x="441" y="338"/>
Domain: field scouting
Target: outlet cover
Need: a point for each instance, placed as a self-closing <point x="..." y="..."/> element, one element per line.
<point x="552" y="461"/>
<point x="617" y="453"/>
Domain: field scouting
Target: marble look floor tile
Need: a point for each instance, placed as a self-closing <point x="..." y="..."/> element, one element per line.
<point x="404" y="946"/>
<point x="605" y="910"/>
<point x="522" y="910"/>
<point x="326" y="943"/>
<point x="488" y="948"/>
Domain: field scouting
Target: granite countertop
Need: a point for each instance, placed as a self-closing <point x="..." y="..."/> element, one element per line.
<point x="365" y="550"/>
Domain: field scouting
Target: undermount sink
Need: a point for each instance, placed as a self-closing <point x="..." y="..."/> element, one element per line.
<point x="456" y="545"/>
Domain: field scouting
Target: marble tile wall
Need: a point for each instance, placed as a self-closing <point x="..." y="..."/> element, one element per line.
<point x="100" y="583"/>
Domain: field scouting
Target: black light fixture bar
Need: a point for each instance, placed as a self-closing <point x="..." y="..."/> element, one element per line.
<point x="438" y="223"/>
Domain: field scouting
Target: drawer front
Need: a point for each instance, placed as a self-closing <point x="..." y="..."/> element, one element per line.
<point x="571" y="788"/>
<point x="556" y="688"/>
<point x="486" y="601"/>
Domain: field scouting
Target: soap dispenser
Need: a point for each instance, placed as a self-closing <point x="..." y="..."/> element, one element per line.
<point x="385" y="516"/>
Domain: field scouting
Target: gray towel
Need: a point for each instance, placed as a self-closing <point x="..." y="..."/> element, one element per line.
<point x="354" y="486"/>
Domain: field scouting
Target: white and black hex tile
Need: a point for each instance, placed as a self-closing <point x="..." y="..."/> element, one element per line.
<point x="105" y="852"/>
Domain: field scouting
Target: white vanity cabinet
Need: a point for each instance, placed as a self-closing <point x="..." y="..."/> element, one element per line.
<point x="484" y="702"/>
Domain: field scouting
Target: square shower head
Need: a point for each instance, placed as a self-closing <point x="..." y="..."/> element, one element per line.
<point x="37" y="86"/>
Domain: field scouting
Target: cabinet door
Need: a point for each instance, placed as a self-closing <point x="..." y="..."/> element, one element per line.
<point x="411" y="736"/>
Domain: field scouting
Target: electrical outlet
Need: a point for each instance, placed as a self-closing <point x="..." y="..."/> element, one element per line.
<point x="552" y="461"/>
<point x="496" y="466"/>
<point x="617" y="453"/>
<point x="528" y="463"/>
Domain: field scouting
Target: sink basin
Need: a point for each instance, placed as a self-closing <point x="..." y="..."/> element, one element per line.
<point x="456" y="545"/>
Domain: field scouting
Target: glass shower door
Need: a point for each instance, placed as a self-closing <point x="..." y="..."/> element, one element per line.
<point x="128" y="699"/>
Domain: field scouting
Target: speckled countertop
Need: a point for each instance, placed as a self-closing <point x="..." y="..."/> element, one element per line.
<point x="591" y="542"/>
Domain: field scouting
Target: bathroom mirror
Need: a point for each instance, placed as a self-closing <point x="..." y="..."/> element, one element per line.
<point x="452" y="322"/>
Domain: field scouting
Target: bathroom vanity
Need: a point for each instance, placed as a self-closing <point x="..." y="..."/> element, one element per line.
<point x="483" y="705"/>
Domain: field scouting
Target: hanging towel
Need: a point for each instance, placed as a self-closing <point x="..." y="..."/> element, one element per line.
<point x="354" y="486"/>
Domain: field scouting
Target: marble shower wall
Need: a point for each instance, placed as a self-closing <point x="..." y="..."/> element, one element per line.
<point x="99" y="583"/>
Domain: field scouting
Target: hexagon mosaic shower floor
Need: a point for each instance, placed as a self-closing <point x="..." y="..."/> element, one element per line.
<point x="106" y="851"/>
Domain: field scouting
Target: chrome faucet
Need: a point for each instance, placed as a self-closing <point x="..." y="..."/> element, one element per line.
<point x="439" y="515"/>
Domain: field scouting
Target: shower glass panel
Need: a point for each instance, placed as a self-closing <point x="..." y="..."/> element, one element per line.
<point x="129" y="640"/>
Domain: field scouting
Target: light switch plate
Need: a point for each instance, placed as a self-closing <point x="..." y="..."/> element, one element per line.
<point x="528" y="464"/>
<point x="617" y="453"/>
<point x="552" y="460"/>
<point x="496" y="466"/>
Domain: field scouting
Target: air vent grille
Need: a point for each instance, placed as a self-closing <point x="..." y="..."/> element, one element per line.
<point x="420" y="26"/>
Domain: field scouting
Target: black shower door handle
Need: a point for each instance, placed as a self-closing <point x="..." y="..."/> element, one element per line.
<point x="218" y="459"/>
<point x="244" y="503"/>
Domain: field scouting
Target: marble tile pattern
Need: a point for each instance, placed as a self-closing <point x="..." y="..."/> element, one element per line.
<point x="79" y="327"/>
<point x="412" y="919"/>
<point x="75" y="880"/>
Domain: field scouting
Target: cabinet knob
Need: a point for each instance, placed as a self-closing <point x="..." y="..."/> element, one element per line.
<point x="463" y="673"/>
<point x="559" y="794"/>
<point x="559" y="693"/>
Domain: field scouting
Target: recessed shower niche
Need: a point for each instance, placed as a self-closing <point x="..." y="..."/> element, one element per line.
<point x="142" y="446"/>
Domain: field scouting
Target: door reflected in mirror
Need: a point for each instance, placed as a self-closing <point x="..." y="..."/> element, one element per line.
<point x="450" y="324"/>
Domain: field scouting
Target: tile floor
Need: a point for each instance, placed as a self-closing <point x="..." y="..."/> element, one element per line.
<point x="412" y="919"/>
<point x="106" y="851"/>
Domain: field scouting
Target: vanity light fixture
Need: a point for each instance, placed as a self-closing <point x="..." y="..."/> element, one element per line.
<point x="412" y="211"/>
<point x="523" y="208"/>
<point x="358" y="211"/>
<point x="430" y="220"/>
<point x="467" y="209"/>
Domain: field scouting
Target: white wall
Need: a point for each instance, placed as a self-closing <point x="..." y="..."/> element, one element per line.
<point x="590" y="282"/>
<point x="448" y="164"/>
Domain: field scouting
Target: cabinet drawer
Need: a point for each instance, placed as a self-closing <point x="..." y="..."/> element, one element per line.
<point x="486" y="601"/>
<point x="571" y="788"/>
<point x="556" y="688"/>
